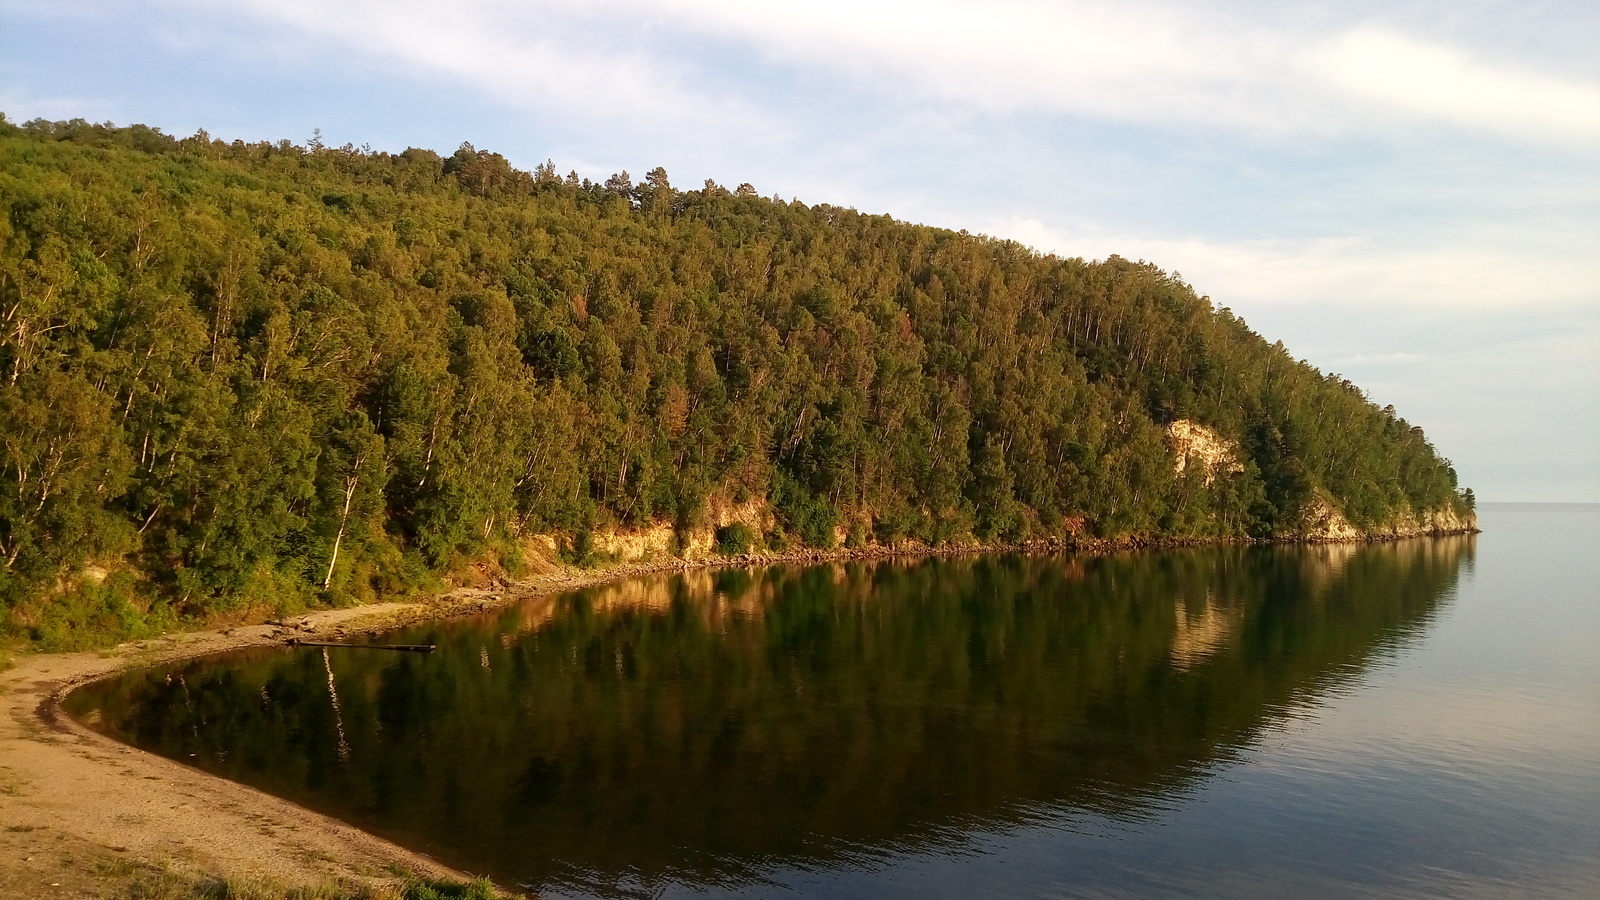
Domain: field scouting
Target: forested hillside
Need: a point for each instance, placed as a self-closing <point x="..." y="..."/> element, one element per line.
<point x="256" y="375"/>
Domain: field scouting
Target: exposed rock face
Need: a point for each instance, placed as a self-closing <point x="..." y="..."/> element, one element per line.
<point x="662" y="541"/>
<point x="1194" y="443"/>
<point x="655" y="542"/>
<point x="1321" y="520"/>
<point x="1430" y="521"/>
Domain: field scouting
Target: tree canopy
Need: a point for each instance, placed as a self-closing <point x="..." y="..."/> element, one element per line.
<point x="235" y="373"/>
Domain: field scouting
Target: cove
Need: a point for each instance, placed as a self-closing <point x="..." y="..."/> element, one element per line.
<point x="1175" y="723"/>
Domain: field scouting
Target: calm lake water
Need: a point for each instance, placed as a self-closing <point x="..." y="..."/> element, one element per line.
<point x="1417" y="719"/>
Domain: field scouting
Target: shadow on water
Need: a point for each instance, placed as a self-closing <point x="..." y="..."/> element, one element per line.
<point x="707" y="727"/>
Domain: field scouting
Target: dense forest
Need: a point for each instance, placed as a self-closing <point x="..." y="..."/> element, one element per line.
<point x="241" y="376"/>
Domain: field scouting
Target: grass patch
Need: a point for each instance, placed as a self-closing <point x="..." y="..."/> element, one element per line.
<point x="160" y="884"/>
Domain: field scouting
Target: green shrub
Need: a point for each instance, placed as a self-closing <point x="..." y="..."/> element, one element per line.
<point x="736" y="539"/>
<point x="418" y="889"/>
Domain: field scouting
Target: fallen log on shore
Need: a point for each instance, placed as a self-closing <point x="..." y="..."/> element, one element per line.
<point x="407" y="648"/>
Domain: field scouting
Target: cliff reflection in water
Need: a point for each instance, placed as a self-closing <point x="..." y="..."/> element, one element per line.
<point x="705" y="727"/>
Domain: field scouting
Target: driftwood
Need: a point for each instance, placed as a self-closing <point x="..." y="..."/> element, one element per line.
<point x="409" y="648"/>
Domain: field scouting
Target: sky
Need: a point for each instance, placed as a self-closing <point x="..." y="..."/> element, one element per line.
<point x="1407" y="193"/>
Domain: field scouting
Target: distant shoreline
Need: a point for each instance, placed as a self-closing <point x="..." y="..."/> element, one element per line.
<point x="1539" y="506"/>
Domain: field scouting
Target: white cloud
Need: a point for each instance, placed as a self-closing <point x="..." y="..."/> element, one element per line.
<point x="1476" y="272"/>
<point x="1381" y="359"/>
<point x="1151" y="63"/>
<point x="1154" y="64"/>
<point x="20" y="108"/>
<point x="525" y="55"/>
<point x="1439" y="82"/>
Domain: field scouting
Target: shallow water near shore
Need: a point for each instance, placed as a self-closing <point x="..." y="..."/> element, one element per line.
<point x="1412" y="719"/>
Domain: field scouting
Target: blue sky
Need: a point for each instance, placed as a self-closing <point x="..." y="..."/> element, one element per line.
<point x="1404" y="192"/>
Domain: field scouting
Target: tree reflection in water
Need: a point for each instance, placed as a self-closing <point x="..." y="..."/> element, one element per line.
<point x="709" y="726"/>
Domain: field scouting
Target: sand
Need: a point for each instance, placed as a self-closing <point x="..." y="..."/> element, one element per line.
<point x="82" y="815"/>
<point x="79" y="811"/>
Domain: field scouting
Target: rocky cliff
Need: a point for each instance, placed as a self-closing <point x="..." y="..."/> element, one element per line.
<point x="1321" y="520"/>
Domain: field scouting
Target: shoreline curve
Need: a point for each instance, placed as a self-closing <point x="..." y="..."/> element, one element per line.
<point x="81" y="807"/>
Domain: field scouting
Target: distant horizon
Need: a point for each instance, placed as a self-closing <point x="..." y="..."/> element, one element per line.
<point x="1537" y="504"/>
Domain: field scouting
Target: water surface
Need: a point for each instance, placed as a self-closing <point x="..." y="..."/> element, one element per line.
<point x="1411" y="719"/>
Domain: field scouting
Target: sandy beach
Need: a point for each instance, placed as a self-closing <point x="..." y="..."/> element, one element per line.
<point x="82" y="815"/>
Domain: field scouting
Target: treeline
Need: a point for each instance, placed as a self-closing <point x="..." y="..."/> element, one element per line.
<point x="244" y="374"/>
